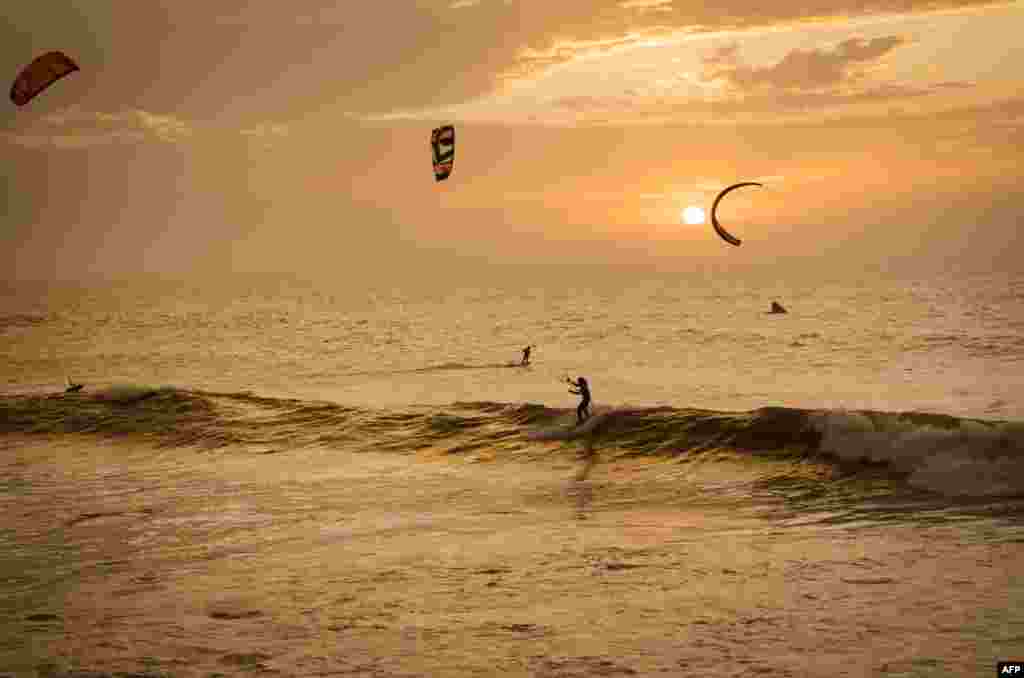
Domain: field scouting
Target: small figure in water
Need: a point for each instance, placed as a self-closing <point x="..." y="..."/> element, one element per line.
<point x="777" y="308"/>
<point x="583" y="411"/>
<point x="526" y="356"/>
<point x="72" y="387"/>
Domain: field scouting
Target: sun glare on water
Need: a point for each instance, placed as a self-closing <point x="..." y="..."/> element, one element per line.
<point x="693" y="215"/>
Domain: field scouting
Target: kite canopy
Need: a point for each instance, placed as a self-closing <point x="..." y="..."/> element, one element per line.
<point x="40" y="74"/>
<point x="442" y="146"/>
<point x="722" y="233"/>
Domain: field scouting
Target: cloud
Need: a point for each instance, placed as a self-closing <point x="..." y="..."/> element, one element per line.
<point x="77" y="128"/>
<point x="758" y="108"/>
<point x="814" y="79"/>
<point x="1017" y="122"/>
<point x="460" y="4"/>
<point x="766" y="108"/>
<point x="263" y="14"/>
<point x="599" y="70"/>
<point x="998" y="125"/>
<point x="802" y="69"/>
<point x="533" y="62"/>
<point x="266" y="135"/>
<point x="74" y="127"/>
<point x="650" y="5"/>
<point x="611" y="25"/>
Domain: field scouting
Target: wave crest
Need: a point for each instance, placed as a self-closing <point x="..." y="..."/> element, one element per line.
<point x="940" y="453"/>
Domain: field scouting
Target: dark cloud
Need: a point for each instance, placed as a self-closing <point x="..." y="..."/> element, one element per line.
<point x="802" y="69"/>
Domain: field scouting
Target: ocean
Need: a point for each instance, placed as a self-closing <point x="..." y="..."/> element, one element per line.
<point x="945" y="345"/>
<point x="274" y="475"/>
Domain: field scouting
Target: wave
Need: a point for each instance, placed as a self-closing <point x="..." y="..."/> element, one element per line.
<point x="23" y="320"/>
<point x="465" y="366"/>
<point x="443" y="367"/>
<point x="951" y="455"/>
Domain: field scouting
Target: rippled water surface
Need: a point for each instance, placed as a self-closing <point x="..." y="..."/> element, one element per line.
<point x="191" y="563"/>
<point x="268" y="476"/>
<point x="945" y="344"/>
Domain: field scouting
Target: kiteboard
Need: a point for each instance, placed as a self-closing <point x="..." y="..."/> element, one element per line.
<point x="572" y="432"/>
<point x="588" y="424"/>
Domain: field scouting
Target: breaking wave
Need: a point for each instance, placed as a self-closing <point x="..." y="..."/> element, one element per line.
<point x="949" y="455"/>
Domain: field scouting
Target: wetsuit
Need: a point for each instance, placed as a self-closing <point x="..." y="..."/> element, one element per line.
<point x="526" y="355"/>
<point x="583" y="411"/>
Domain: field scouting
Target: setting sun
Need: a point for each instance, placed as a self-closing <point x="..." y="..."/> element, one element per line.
<point x="693" y="215"/>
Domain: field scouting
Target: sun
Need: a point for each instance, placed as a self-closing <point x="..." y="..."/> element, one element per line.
<point x="693" y="215"/>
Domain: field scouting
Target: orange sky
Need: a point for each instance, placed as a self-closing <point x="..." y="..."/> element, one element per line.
<point x="253" y="137"/>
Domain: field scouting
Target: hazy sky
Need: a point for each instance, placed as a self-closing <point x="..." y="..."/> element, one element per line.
<point x="246" y="136"/>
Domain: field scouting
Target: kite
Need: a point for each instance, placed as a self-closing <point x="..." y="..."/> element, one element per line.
<point x="40" y="74"/>
<point x="725" y="235"/>
<point x="442" y="145"/>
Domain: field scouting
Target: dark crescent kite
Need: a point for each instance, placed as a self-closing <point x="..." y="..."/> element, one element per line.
<point x="725" y="235"/>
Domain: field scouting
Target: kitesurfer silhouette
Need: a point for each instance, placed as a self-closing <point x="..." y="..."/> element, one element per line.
<point x="584" y="393"/>
<point x="526" y="356"/>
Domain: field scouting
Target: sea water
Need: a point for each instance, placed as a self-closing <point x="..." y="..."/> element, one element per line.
<point x="952" y="345"/>
<point x="275" y="476"/>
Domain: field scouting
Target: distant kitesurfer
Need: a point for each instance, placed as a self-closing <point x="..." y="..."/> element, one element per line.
<point x="526" y="356"/>
<point x="583" y="411"/>
<point x="777" y="308"/>
<point x="72" y="387"/>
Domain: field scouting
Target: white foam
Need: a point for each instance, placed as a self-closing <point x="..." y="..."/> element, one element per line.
<point x="957" y="474"/>
<point x="967" y="458"/>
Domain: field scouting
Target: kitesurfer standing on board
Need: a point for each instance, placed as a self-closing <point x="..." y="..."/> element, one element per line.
<point x="584" y="393"/>
<point x="526" y="356"/>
